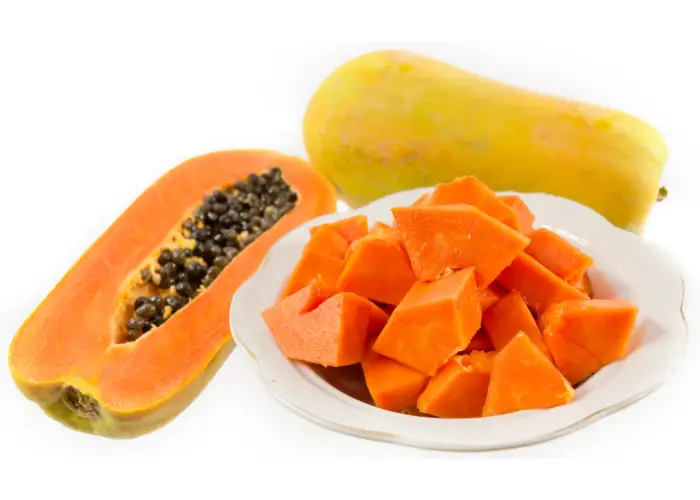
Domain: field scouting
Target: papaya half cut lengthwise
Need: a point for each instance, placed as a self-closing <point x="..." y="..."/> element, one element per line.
<point x="78" y="355"/>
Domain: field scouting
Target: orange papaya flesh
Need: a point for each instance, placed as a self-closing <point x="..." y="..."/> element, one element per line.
<point x="490" y="295"/>
<point x="509" y="316"/>
<point x="459" y="388"/>
<point x="525" y="217"/>
<point x="380" y="225"/>
<point x="334" y="333"/>
<point x="378" y="269"/>
<point x="442" y="238"/>
<point x="352" y="228"/>
<point x="392" y="385"/>
<point x="539" y="286"/>
<point x="573" y="361"/>
<point x="603" y="327"/>
<point x="479" y="342"/>
<point x="73" y="355"/>
<point x="328" y="241"/>
<point x="558" y="255"/>
<point x="434" y="321"/>
<point x="475" y="192"/>
<point x="522" y="378"/>
<point x="323" y="258"/>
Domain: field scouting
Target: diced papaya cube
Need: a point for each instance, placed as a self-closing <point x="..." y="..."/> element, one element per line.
<point x="393" y="386"/>
<point x="313" y="265"/>
<point x="448" y="237"/>
<point x="490" y="295"/>
<point x="434" y="321"/>
<point x="523" y="378"/>
<point x="558" y="255"/>
<point x="509" y="316"/>
<point x="475" y="192"/>
<point x="539" y="286"/>
<point x="378" y="269"/>
<point x="334" y="333"/>
<point x="525" y="217"/>
<point x="480" y="342"/>
<point x="459" y="388"/>
<point x="574" y="362"/>
<point x="326" y="240"/>
<point x="601" y="326"/>
<point x="352" y="228"/>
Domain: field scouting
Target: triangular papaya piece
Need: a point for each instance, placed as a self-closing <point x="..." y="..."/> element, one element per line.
<point x="558" y="255"/>
<point x="573" y="361"/>
<point x="459" y="388"/>
<point x="334" y="333"/>
<point x="352" y="228"/>
<point x="328" y="241"/>
<point x="392" y="385"/>
<point x="525" y="216"/>
<point x="443" y="238"/>
<point x="378" y="268"/>
<point x="601" y="326"/>
<point x="509" y="316"/>
<point x="523" y="378"/>
<point x="311" y="266"/>
<point x="473" y="191"/>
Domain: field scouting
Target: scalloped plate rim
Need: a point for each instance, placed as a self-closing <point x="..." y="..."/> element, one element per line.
<point x="265" y="371"/>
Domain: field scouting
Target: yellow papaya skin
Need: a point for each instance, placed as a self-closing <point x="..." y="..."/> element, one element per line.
<point x="394" y="120"/>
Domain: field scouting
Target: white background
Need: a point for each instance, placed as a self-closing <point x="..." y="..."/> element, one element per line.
<point x="97" y="101"/>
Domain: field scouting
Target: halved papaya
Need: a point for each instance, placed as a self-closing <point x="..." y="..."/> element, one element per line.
<point x="139" y="325"/>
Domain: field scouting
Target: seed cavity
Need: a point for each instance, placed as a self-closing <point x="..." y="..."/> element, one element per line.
<point x="81" y="404"/>
<point x="208" y="240"/>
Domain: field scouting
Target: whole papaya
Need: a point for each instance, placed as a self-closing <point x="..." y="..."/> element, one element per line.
<point x="394" y="120"/>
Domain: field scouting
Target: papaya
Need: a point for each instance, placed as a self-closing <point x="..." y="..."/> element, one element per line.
<point x="393" y="120"/>
<point x="137" y="327"/>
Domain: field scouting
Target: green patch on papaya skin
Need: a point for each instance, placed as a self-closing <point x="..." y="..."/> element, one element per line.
<point x="663" y="193"/>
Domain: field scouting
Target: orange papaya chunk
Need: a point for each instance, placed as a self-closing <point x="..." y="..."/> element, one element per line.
<point x="439" y="239"/>
<point x="313" y="265"/>
<point x="475" y="192"/>
<point x="434" y="321"/>
<point x="352" y="228"/>
<point x="523" y="378"/>
<point x="601" y="326"/>
<point x="480" y="342"/>
<point x="393" y="386"/>
<point x="377" y="269"/>
<point x="539" y="286"/>
<point x="573" y="361"/>
<point x="509" y="316"/>
<point x="334" y="333"/>
<point x="558" y="255"/>
<point x="327" y="241"/>
<point x="490" y="295"/>
<point x="459" y="388"/>
<point x="525" y="217"/>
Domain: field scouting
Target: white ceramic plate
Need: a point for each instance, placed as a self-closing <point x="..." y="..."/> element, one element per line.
<point x="637" y="270"/>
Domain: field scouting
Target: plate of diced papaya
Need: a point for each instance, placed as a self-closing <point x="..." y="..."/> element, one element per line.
<point x="458" y="318"/>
